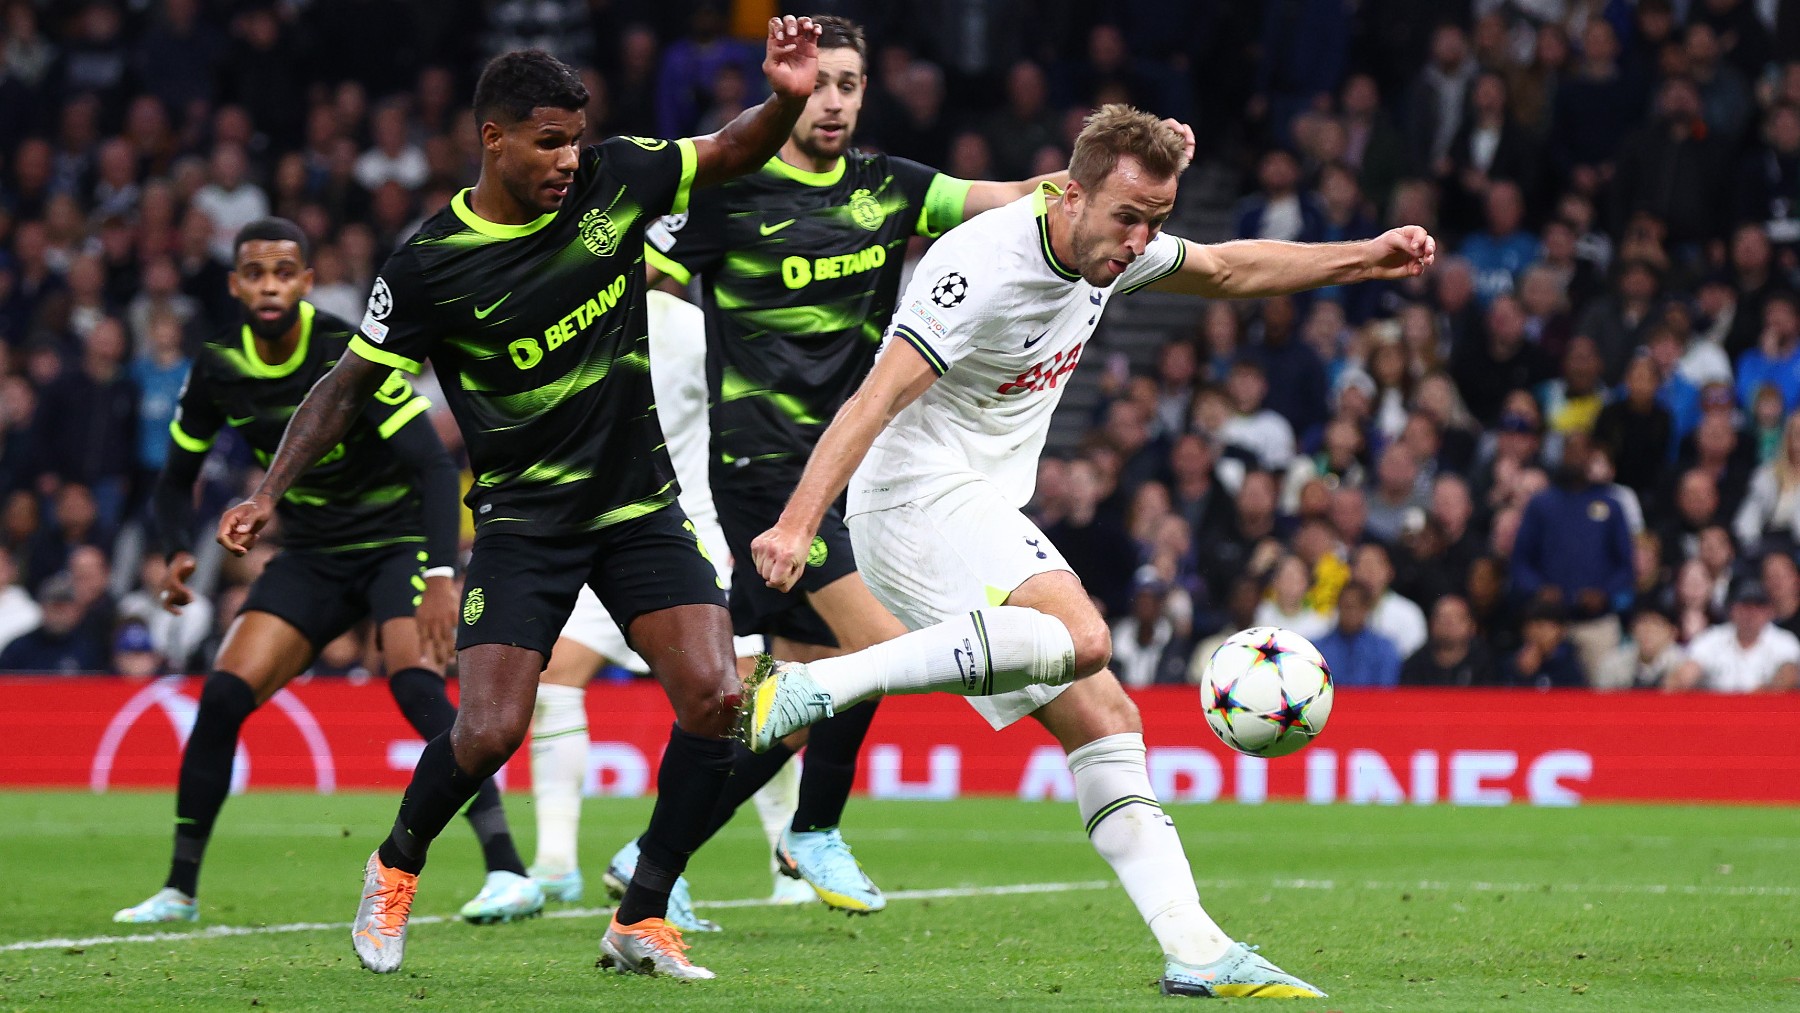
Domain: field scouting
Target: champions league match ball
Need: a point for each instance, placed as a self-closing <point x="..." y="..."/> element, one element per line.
<point x="1266" y="692"/>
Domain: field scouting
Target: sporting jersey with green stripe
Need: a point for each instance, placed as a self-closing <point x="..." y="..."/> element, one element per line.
<point x="538" y="335"/>
<point x="360" y="494"/>
<point x="799" y="272"/>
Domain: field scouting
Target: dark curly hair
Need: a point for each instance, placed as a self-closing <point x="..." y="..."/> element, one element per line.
<point x="515" y="83"/>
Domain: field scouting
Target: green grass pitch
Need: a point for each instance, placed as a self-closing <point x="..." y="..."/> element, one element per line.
<point x="1600" y="908"/>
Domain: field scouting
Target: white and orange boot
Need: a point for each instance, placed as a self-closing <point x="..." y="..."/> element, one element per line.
<point x="379" y="932"/>
<point x="652" y="946"/>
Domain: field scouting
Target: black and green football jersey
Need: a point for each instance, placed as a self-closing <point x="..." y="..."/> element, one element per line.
<point x="538" y="334"/>
<point x="799" y="272"/>
<point x="361" y="494"/>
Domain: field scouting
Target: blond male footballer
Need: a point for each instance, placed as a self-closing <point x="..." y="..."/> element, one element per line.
<point x="939" y="450"/>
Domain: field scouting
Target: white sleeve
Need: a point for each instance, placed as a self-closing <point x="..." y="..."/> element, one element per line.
<point x="952" y="304"/>
<point x="1787" y="648"/>
<point x="1163" y="257"/>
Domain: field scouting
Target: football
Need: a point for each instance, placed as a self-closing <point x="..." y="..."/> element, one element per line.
<point x="1266" y="692"/>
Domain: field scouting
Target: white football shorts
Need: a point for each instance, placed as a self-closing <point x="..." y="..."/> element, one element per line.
<point x="949" y="553"/>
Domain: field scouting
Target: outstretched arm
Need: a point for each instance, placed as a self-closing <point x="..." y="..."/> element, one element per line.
<point x="900" y="375"/>
<point x="318" y="424"/>
<point x="791" y="64"/>
<point x="1255" y="268"/>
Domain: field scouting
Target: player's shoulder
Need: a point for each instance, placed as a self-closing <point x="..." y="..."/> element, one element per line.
<point x="624" y="152"/>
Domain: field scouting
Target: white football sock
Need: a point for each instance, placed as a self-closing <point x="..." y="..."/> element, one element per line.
<point x="1128" y="828"/>
<point x="559" y="750"/>
<point x="775" y="805"/>
<point x="989" y="651"/>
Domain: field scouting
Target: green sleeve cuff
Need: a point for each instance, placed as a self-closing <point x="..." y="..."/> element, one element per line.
<point x="361" y="346"/>
<point x="191" y="444"/>
<point x="656" y="259"/>
<point x="686" y="147"/>
<point x="404" y="414"/>
<point x="943" y="208"/>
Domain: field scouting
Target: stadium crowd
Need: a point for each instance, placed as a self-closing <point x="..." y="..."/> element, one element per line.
<point x="1567" y="456"/>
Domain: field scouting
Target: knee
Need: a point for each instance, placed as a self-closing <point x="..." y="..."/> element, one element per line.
<point x="706" y="702"/>
<point x="484" y="742"/>
<point x="1093" y="644"/>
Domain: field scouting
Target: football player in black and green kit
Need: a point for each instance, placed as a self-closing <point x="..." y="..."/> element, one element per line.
<point x="527" y="293"/>
<point x="799" y="266"/>
<point x="369" y="532"/>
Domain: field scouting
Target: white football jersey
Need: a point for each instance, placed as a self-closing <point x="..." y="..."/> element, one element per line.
<point x="678" y="377"/>
<point x="1002" y="322"/>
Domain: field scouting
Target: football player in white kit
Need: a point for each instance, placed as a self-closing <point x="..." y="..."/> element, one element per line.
<point x="590" y="639"/>
<point x="947" y="430"/>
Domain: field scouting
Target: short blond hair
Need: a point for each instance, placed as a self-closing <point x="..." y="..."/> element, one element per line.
<point x="1115" y="130"/>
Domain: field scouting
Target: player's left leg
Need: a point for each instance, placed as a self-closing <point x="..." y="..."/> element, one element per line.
<point x="418" y="689"/>
<point x="688" y="649"/>
<point x="1098" y="726"/>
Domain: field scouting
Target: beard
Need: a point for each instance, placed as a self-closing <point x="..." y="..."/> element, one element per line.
<point x="824" y="152"/>
<point x="269" y="330"/>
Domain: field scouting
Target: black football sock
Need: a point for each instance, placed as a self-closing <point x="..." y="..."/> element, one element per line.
<point x="830" y="770"/>
<point x="693" y="772"/>
<point x="439" y="788"/>
<point x="423" y="699"/>
<point x="225" y="701"/>
<point x="749" y="772"/>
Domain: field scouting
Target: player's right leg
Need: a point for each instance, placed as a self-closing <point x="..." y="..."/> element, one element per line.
<point x="1099" y="728"/>
<point x="519" y="589"/>
<point x="261" y="653"/>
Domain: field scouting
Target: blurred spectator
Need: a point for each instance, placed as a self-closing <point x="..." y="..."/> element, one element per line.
<point x="176" y="637"/>
<point x="159" y="374"/>
<point x="1746" y="655"/>
<point x="1594" y="109"/>
<point x="1673" y="168"/>
<point x="1636" y="431"/>
<point x="1438" y="96"/>
<point x="1241" y="603"/>
<point x="1545" y="660"/>
<point x="1358" y="654"/>
<point x="393" y="158"/>
<point x="1146" y="648"/>
<point x="1768" y="178"/>
<point x="1501" y="250"/>
<point x="1253" y="428"/>
<point x="1096" y="546"/>
<point x="1574" y="552"/>
<point x="1023" y="124"/>
<point x="1374" y="147"/>
<point x="1294" y="376"/>
<point x="1453" y="656"/>
<point x="1770" y="515"/>
<point x="1338" y="462"/>
<point x="1194" y="493"/>
<point x="1648" y="659"/>
<point x="178" y="56"/>
<point x="60" y="645"/>
<point x="1781" y="577"/>
<point x="1285" y="604"/>
<point x="95" y="439"/>
<point x="1280" y="209"/>
<point x="1498" y="362"/>
<point x="1304" y="48"/>
<point x="1396" y="499"/>
<point x="1391" y="615"/>
<point x="1775" y="361"/>
<point x="75" y="523"/>
<point x="229" y="199"/>
<point x="1488" y="146"/>
<point x="19" y="614"/>
<point x="691" y="64"/>
<point x="134" y="655"/>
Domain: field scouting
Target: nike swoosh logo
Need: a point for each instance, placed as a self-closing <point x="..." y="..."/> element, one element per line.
<point x="1037" y="339"/>
<point x="246" y="420"/>
<point x="482" y="314"/>
<point x="769" y="230"/>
